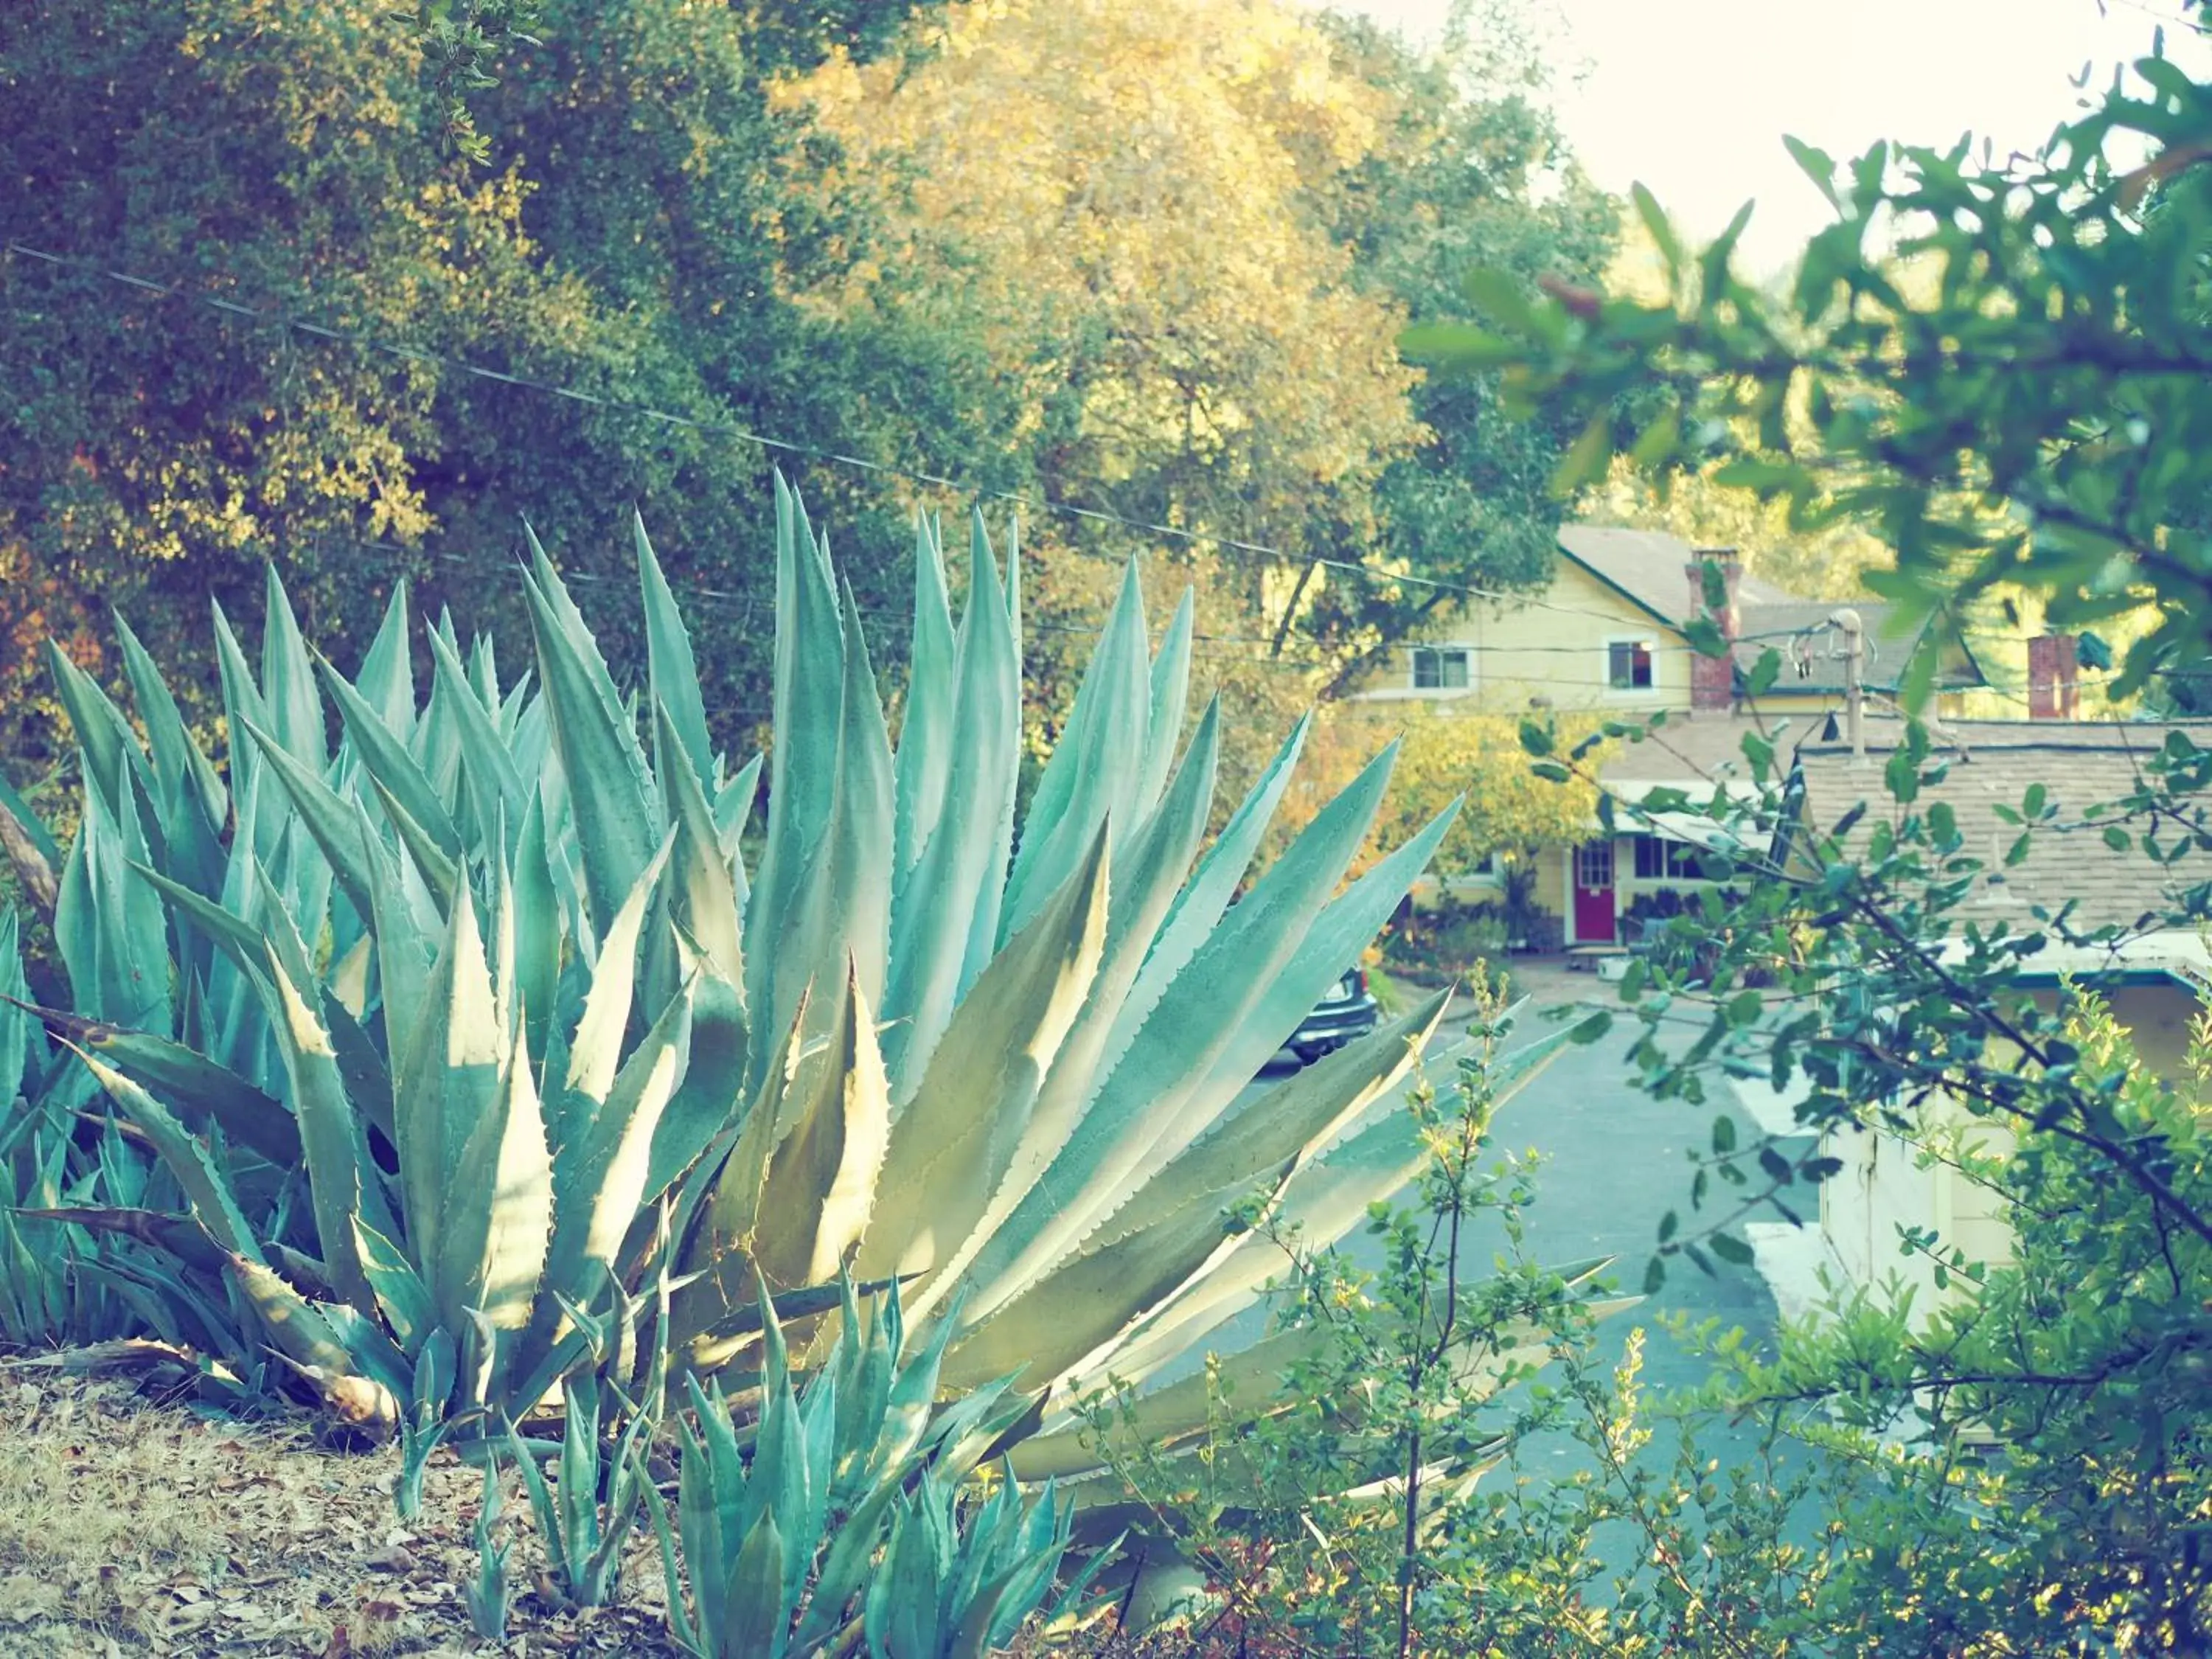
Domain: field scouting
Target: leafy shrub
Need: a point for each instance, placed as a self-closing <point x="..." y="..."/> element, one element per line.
<point x="1449" y="939"/>
<point x="1318" y="1522"/>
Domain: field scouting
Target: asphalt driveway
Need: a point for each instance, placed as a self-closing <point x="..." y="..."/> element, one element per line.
<point x="1612" y="1162"/>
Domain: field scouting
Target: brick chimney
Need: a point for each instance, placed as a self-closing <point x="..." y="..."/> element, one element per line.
<point x="1712" y="680"/>
<point x="2054" y="683"/>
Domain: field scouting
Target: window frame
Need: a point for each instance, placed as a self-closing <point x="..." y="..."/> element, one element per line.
<point x="1677" y="860"/>
<point x="1651" y="648"/>
<point x="1439" y="650"/>
<point x="1595" y="866"/>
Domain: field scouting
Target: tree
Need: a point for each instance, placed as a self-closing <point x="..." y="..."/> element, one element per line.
<point x="2029" y="427"/>
<point x="1505" y="809"/>
<point x="1116" y="197"/>
<point x="1467" y="169"/>
<point x="2085" y="1355"/>
<point x="1113" y="205"/>
<point x="737" y="234"/>
<point x="1854" y="968"/>
<point x="633" y="237"/>
<point x="2036" y="420"/>
<point x="458" y="51"/>
<point x="1196" y="201"/>
<point x="1181" y="238"/>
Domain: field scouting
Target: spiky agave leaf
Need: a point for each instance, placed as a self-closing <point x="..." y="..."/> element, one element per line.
<point x="921" y="1039"/>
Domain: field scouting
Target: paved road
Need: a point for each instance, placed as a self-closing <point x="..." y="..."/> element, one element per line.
<point x="1613" y="1162"/>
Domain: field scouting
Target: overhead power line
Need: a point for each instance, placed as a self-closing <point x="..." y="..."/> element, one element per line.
<point x="1060" y="506"/>
<point x="1217" y="647"/>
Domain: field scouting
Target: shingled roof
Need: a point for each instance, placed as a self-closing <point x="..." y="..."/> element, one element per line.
<point x="2082" y="765"/>
<point x="1812" y="648"/>
<point x="1707" y="745"/>
<point x="1651" y="567"/>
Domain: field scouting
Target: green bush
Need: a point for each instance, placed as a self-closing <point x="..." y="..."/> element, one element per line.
<point x="1332" y="1521"/>
<point x="1448" y="941"/>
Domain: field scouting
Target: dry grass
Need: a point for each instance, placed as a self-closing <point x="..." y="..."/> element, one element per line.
<point x="129" y="1526"/>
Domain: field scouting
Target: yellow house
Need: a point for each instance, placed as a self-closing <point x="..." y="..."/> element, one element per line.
<point x="1608" y="632"/>
<point x="1607" y="635"/>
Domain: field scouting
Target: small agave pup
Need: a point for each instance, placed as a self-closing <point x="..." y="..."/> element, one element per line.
<point x="452" y="1014"/>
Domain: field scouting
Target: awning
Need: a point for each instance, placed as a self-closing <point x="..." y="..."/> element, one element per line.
<point x="1732" y="832"/>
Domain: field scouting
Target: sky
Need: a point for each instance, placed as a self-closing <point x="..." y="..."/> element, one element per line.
<point x="1692" y="97"/>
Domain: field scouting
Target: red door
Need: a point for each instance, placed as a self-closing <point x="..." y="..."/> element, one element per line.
<point x="1594" y="912"/>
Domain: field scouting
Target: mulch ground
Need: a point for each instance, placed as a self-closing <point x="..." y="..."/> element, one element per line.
<point x="133" y="1525"/>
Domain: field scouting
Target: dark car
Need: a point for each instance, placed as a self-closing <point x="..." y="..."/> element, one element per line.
<point x="1348" y="1009"/>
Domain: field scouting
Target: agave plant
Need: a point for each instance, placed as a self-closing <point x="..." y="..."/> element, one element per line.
<point x="840" y="1512"/>
<point x="325" y="1008"/>
<point x="59" y="1284"/>
<point x="489" y="1596"/>
<point x="424" y="1027"/>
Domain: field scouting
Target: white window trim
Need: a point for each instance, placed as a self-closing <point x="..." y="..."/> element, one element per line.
<point x="1442" y="692"/>
<point x="1628" y="693"/>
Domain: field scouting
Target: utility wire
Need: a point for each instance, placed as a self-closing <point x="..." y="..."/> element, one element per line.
<point x="1216" y="647"/>
<point x="1048" y="503"/>
<point x="2197" y="23"/>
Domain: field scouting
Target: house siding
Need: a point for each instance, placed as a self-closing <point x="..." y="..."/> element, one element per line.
<point x="1887" y="1184"/>
<point x="1519" y="651"/>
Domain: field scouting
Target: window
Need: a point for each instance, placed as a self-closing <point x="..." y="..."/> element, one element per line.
<point x="1439" y="668"/>
<point x="1658" y="858"/>
<point x="1594" y="866"/>
<point x="1628" y="665"/>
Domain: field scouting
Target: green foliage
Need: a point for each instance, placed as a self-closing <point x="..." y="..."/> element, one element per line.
<point x="2008" y="393"/>
<point x="654" y="220"/>
<point x="586" y="1514"/>
<point x="945" y="1589"/>
<point x="2015" y="1469"/>
<point x="458" y="43"/>
<point x="424" y="1421"/>
<point x="479" y="1074"/>
<point x="2080" y="1357"/>
<point x="1469" y="169"/>
<point x="637" y="234"/>
<point x="1509" y="811"/>
<point x="2008" y="399"/>
<point x="58" y="1283"/>
<point x="52" y="1292"/>
<point x="1447" y="940"/>
<point x="1978" y="1422"/>
<point x="489" y="1594"/>
<point x="1329" y="1465"/>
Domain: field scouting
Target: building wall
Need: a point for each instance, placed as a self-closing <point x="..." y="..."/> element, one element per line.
<point x="1783" y="702"/>
<point x="2157" y="1018"/>
<point x="1488" y="887"/>
<point x="1519" y="651"/>
<point x="1888" y="1185"/>
<point x="1887" y="1182"/>
<point x="1554" y="867"/>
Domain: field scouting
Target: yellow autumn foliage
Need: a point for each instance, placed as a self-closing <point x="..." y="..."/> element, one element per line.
<point x="1117" y="194"/>
<point x="1508" y="809"/>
